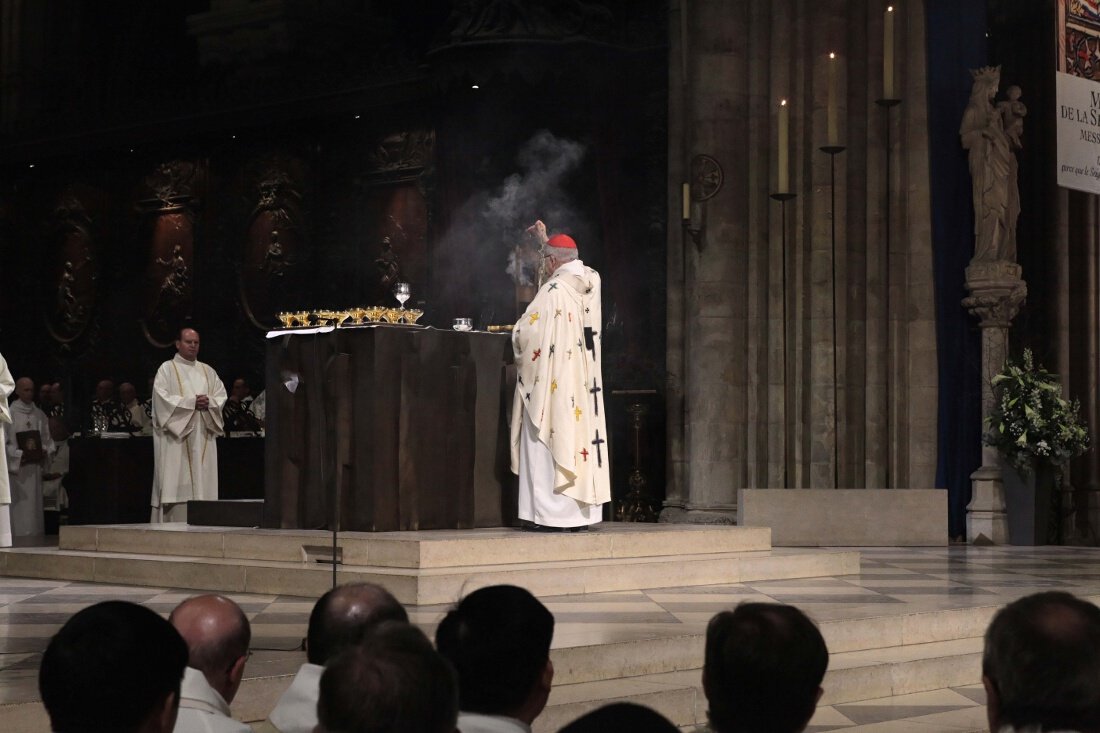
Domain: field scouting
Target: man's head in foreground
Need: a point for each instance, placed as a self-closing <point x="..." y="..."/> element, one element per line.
<point x="763" y="669"/>
<point x="115" y="666"/>
<point x="1041" y="665"/>
<point x="498" y="640"/>
<point x="393" y="682"/>
<point x="343" y="616"/>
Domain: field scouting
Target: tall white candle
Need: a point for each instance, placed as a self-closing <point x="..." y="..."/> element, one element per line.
<point x="888" y="54"/>
<point x="783" y="177"/>
<point x="685" y="204"/>
<point x="832" y="137"/>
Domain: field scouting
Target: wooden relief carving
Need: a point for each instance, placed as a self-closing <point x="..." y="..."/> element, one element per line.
<point x="403" y="151"/>
<point x="275" y="242"/>
<point x="75" y="265"/>
<point x="168" y="214"/>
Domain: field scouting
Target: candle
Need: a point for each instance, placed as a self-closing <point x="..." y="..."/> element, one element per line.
<point x="784" y="123"/>
<point x="832" y="137"/>
<point x="686" y="202"/>
<point x="888" y="54"/>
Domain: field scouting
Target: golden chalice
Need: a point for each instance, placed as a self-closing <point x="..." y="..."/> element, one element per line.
<point x="302" y="317"/>
<point x="395" y="315"/>
<point x="357" y="316"/>
<point x="374" y="313"/>
<point x="412" y="315"/>
<point x="287" y="319"/>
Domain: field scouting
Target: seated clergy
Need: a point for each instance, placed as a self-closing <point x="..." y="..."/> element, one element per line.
<point x="237" y="412"/>
<point x="140" y="421"/>
<point x="106" y="411"/>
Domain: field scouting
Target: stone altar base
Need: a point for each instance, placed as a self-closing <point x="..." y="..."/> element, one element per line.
<point x="847" y="517"/>
<point x="419" y="568"/>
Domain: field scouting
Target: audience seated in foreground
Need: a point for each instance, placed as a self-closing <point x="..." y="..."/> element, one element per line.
<point x="762" y="671"/>
<point x="115" y="666"/>
<point x="1041" y="665"/>
<point x="394" y="682"/>
<point x="498" y="640"/>
<point x="217" y="634"/>
<point x="339" y="620"/>
<point x="621" y="717"/>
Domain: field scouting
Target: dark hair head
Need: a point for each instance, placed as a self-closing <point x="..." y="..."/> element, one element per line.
<point x="1042" y="656"/>
<point x="394" y="682"/>
<point x="110" y="667"/>
<point x="341" y="618"/>
<point x="621" y="717"/>
<point x="763" y="667"/>
<point x="498" y="639"/>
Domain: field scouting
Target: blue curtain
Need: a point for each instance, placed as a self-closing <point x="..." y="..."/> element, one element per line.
<point x="956" y="43"/>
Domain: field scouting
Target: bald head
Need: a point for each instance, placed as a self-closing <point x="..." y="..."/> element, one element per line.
<point x="217" y="634"/>
<point x="126" y="393"/>
<point x="104" y="390"/>
<point x="345" y="614"/>
<point x="24" y="390"/>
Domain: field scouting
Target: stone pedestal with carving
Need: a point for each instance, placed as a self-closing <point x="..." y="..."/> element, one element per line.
<point x="996" y="292"/>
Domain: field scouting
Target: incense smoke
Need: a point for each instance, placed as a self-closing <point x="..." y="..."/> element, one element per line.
<point x="493" y="222"/>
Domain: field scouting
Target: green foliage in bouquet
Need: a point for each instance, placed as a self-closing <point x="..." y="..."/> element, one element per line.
<point x="1030" y="421"/>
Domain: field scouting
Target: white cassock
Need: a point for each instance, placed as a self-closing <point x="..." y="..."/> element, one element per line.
<point x="184" y="446"/>
<point x="7" y="386"/>
<point x="559" y="431"/>
<point x="25" y="481"/>
<point x="138" y="418"/>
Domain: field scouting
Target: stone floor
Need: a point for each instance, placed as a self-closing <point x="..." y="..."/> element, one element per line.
<point x="892" y="582"/>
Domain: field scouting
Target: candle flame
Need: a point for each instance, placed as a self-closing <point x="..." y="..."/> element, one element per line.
<point x="832" y="55"/>
<point x="889" y="8"/>
<point x="783" y="103"/>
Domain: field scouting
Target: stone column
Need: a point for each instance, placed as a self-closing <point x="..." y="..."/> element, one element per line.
<point x="996" y="293"/>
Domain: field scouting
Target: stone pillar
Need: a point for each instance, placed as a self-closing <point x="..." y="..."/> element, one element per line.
<point x="996" y="292"/>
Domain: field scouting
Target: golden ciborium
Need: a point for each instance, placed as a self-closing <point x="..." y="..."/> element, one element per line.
<point x="287" y="319"/>
<point x="395" y="315"/>
<point x="375" y="313"/>
<point x="302" y="317"/>
<point x="330" y="316"/>
<point x="357" y="316"/>
<point x="412" y="315"/>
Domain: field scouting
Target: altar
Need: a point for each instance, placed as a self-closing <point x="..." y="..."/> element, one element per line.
<point x="406" y="425"/>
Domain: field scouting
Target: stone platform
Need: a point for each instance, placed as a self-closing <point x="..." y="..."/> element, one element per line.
<point x="421" y="568"/>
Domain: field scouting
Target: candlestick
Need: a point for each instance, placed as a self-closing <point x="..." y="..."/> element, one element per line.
<point x="685" y="205"/>
<point x="888" y="54"/>
<point x="832" y="137"/>
<point x="783" y="177"/>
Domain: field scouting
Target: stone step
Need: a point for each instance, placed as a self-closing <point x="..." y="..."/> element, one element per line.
<point x="419" y="586"/>
<point x="852" y="677"/>
<point x="424" y="549"/>
<point x="676" y="653"/>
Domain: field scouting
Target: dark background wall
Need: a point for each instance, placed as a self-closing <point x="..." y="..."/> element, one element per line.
<point x="212" y="163"/>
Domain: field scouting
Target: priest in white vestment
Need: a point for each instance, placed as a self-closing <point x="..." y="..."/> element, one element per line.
<point x="187" y="418"/>
<point x="7" y="386"/>
<point x="27" y="444"/>
<point x="559" y="430"/>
